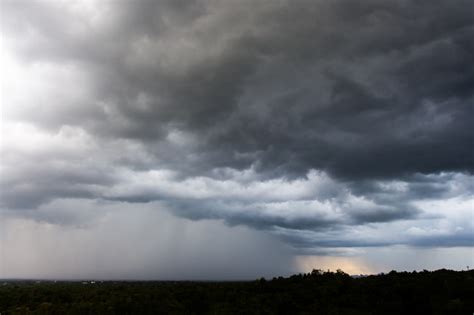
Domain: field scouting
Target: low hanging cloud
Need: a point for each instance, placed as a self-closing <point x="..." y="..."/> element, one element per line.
<point x="332" y="125"/>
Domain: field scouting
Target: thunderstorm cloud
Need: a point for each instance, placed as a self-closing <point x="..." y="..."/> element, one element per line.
<point x="302" y="128"/>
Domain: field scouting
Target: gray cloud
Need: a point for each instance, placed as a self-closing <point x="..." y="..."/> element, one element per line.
<point x="387" y="85"/>
<point x="157" y="246"/>
<point x="318" y="118"/>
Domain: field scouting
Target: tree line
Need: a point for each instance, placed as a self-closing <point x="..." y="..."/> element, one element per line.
<point x="438" y="292"/>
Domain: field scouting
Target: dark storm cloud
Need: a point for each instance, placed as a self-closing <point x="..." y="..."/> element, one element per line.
<point x="328" y="241"/>
<point x="44" y="184"/>
<point x="376" y="96"/>
<point x="361" y="89"/>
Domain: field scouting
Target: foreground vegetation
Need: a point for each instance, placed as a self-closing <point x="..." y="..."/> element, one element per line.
<point x="438" y="292"/>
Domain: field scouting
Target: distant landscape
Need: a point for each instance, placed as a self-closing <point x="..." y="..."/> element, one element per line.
<point x="236" y="157"/>
<point x="437" y="292"/>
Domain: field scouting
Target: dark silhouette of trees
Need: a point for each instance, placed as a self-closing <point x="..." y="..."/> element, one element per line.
<point x="318" y="292"/>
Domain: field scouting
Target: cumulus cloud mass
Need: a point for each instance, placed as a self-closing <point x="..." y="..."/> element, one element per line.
<point x="233" y="139"/>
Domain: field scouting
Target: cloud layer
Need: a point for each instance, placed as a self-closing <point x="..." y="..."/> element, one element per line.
<point x="332" y="125"/>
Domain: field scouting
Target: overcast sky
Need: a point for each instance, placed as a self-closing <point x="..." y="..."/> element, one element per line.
<point x="235" y="139"/>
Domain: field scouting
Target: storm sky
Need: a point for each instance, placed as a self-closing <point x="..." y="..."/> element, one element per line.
<point x="235" y="139"/>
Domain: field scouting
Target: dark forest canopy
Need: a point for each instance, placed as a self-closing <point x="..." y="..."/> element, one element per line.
<point x="318" y="292"/>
